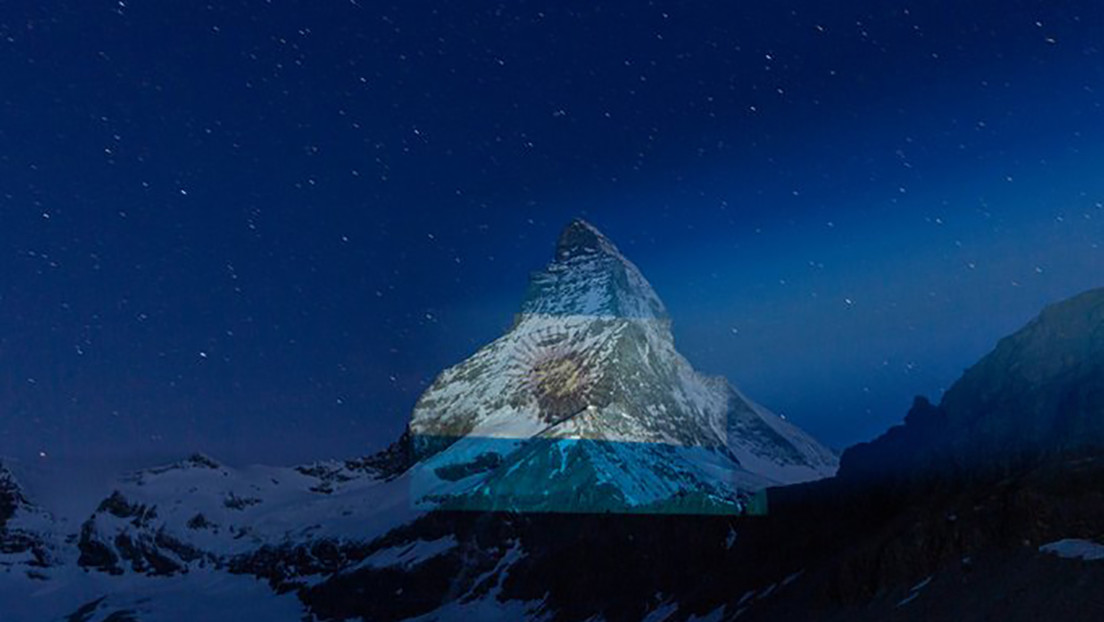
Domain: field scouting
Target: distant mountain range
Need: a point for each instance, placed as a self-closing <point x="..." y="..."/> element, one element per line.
<point x="578" y="468"/>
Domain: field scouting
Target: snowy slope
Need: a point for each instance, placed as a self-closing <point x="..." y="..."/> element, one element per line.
<point x="198" y="512"/>
<point x="179" y="542"/>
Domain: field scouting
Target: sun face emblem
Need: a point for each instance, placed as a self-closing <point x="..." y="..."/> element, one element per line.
<point x="559" y="386"/>
<point x="558" y="377"/>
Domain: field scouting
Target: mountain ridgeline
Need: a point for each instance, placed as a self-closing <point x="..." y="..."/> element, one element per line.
<point x="984" y="506"/>
<point x="578" y="468"/>
<point x="1040" y="391"/>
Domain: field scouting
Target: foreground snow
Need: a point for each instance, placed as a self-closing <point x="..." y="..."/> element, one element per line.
<point x="208" y="595"/>
<point x="1073" y="548"/>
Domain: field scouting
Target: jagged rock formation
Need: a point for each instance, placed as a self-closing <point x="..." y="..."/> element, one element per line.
<point x="25" y="538"/>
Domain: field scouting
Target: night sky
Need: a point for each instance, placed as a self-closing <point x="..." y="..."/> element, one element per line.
<point x="260" y="228"/>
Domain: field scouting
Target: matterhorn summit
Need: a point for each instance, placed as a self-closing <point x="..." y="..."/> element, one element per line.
<point x="586" y="405"/>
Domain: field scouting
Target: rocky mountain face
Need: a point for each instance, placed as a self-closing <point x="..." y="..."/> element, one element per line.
<point x="24" y="528"/>
<point x="1041" y="390"/>
<point x="586" y="405"/>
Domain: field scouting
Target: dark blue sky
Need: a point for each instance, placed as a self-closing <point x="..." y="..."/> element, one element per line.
<point x="261" y="228"/>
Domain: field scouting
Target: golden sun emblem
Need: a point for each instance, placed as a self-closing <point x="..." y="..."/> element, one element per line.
<point x="559" y="377"/>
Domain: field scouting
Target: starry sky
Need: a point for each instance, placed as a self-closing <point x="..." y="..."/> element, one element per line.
<point x="261" y="228"/>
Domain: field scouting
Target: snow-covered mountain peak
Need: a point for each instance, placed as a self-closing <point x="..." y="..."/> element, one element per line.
<point x="590" y="277"/>
<point x="589" y="374"/>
